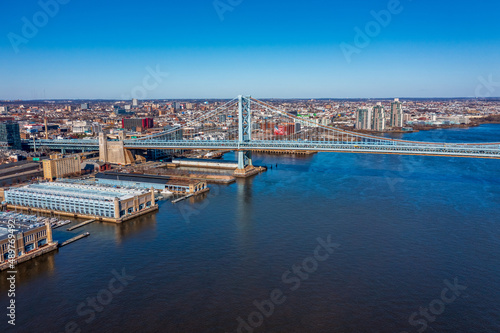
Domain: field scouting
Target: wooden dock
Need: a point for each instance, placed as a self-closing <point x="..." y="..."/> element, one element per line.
<point x="80" y="225"/>
<point x="182" y="198"/>
<point x="74" y="239"/>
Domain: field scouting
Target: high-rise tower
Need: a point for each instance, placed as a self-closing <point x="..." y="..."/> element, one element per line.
<point x="396" y="113"/>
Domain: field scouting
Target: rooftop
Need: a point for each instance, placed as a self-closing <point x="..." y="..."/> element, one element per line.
<point x="80" y="191"/>
<point x="144" y="178"/>
<point x="204" y="160"/>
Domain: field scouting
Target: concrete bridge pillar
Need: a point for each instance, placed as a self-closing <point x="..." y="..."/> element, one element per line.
<point x="244" y="159"/>
<point x="114" y="151"/>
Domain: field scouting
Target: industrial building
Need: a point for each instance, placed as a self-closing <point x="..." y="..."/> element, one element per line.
<point x="172" y="184"/>
<point x="29" y="241"/>
<point x="18" y="172"/>
<point x="137" y="124"/>
<point x="59" y="166"/>
<point x="78" y="200"/>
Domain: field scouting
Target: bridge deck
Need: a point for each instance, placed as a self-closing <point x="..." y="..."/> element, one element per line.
<point x="486" y="150"/>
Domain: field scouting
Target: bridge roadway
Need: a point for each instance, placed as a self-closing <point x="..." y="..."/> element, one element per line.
<point x="486" y="150"/>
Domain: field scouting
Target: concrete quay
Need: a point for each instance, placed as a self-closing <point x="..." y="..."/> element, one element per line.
<point x="88" y="217"/>
<point x="33" y="254"/>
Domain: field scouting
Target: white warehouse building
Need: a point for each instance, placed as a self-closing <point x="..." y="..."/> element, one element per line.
<point x="78" y="200"/>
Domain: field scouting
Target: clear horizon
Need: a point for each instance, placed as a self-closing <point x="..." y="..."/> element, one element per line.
<point x="229" y="98"/>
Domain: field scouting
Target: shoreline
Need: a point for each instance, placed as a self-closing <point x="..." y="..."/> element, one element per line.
<point x="417" y="129"/>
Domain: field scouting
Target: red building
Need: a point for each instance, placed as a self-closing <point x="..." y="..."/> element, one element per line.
<point x="134" y="123"/>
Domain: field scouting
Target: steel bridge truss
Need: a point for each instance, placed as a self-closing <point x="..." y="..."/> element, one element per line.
<point x="237" y="126"/>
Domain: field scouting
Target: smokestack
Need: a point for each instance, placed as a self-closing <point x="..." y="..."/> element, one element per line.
<point x="46" y="131"/>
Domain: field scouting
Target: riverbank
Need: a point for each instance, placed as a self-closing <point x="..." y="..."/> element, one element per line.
<point x="417" y="128"/>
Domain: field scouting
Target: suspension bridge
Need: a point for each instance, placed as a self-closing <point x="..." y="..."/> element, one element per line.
<point x="246" y="124"/>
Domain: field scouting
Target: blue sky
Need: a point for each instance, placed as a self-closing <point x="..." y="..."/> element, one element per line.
<point x="95" y="49"/>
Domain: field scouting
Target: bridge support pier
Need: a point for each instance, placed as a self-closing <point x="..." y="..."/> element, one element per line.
<point x="244" y="159"/>
<point x="114" y="151"/>
<point x="245" y="166"/>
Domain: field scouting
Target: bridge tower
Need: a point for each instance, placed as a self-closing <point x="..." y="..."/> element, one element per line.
<point x="245" y="167"/>
<point x="114" y="151"/>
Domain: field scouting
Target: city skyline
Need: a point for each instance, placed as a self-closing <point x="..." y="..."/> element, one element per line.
<point x="206" y="49"/>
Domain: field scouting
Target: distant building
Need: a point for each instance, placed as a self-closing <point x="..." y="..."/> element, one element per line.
<point x="94" y="165"/>
<point x="174" y="133"/>
<point x="59" y="166"/>
<point x="9" y="135"/>
<point x="134" y="102"/>
<point x="86" y="127"/>
<point x="84" y="106"/>
<point x="4" y="109"/>
<point x="280" y="129"/>
<point x="364" y="119"/>
<point x="396" y="113"/>
<point x="455" y="120"/>
<point x="117" y="110"/>
<point x="137" y="123"/>
<point x="33" y="128"/>
<point x="379" y="119"/>
<point x="176" y="106"/>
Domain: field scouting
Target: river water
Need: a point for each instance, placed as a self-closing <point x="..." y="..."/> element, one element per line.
<point x="323" y="243"/>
